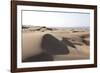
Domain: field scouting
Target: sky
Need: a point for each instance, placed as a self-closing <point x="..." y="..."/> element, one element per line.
<point x="55" y="19"/>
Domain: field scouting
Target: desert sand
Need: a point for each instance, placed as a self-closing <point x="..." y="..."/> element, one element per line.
<point x="31" y="42"/>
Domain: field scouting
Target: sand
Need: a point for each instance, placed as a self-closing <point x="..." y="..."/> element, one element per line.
<point x="31" y="42"/>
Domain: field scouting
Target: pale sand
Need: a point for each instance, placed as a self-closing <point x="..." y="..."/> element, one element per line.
<point x="31" y="41"/>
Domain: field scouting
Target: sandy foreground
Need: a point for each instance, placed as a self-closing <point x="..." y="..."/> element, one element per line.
<point x="31" y="43"/>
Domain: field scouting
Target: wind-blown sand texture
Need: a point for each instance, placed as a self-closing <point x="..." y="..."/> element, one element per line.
<point x="32" y="36"/>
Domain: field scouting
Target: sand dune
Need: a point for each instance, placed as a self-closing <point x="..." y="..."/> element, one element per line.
<point x="31" y="42"/>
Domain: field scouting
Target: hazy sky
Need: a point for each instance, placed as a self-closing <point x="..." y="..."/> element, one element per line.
<point x="55" y="19"/>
